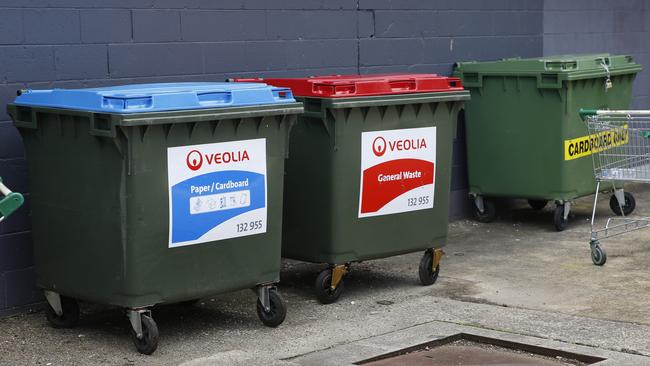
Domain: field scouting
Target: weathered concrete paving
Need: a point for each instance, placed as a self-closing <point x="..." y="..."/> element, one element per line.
<point x="516" y="278"/>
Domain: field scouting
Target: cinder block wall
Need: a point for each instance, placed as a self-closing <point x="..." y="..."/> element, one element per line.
<point x="86" y="43"/>
<point x="585" y="26"/>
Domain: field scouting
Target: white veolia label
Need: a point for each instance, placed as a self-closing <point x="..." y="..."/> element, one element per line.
<point x="216" y="191"/>
<point x="397" y="171"/>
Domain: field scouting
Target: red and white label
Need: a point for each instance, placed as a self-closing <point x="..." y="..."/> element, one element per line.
<point x="397" y="171"/>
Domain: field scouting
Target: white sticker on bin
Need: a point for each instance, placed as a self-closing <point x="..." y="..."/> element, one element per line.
<point x="216" y="191"/>
<point x="397" y="171"/>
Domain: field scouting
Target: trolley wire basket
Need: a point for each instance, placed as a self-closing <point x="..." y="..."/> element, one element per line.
<point x="619" y="142"/>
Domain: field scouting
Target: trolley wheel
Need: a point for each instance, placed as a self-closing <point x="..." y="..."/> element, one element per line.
<point x="489" y="211"/>
<point x="278" y="310"/>
<point x="428" y="276"/>
<point x="70" y="316"/>
<point x="537" y="204"/>
<point x="628" y="207"/>
<point x="323" y="285"/>
<point x="558" y="218"/>
<point x="598" y="255"/>
<point x="149" y="341"/>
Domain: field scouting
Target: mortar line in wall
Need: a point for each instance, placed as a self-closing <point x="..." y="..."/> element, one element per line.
<point x="358" y="39"/>
<point x="108" y="62"/>
<point x="122" y="78"/>
<point x="131" y="24"/>
<point x="280" y="40"/>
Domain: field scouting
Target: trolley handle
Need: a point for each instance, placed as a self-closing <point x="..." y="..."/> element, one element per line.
<point x="10" y="202"/>
<point x="585" y="113"/>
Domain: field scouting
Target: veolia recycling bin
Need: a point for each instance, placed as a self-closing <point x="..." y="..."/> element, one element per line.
<point x="156" y="193"/>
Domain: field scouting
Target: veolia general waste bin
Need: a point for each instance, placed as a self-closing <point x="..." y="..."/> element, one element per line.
<point x="156" y="193"/>
<point x="369" y="171"/>
<point x="525" y="137"/>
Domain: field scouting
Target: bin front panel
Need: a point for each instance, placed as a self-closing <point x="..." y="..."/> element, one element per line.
<point x="516" y="135"/>
<point x="322" y="188"/>
<point x="182" y="272"/>
<point x="100" y="208"/>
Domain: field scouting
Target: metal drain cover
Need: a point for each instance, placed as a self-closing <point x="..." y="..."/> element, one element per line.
<point x="470" y="350"/>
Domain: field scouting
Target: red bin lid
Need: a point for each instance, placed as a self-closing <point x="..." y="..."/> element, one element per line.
<point x="345" y="86"/>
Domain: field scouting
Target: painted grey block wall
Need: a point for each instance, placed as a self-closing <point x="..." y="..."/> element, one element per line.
<point x="621" y="27"/>
<point x="86" y="43"/>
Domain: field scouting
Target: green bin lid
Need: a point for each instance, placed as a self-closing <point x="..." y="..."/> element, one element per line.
<point x="566" y="67"/>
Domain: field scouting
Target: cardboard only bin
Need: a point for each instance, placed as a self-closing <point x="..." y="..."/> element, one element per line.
<point x="525" y="137"/>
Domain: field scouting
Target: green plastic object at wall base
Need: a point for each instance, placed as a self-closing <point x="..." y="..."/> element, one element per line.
<point x="10" y="203"/>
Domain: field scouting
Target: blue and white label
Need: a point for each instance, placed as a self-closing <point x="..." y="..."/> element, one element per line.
<point x="216" y="191"/>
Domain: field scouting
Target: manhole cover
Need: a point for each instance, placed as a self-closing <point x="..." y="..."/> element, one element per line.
<point x="467" y="349"/>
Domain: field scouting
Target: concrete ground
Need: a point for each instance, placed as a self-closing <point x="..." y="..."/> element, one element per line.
<point x="515" y="279"/>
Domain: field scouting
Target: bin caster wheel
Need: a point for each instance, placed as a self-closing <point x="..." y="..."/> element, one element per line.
<point x="558" y="218"/>
<point x="324" y="292"/>
<point x="148" y="343"/>
<point x="628" y="207"/>
<point x="598" y="254"/>
<point x="70" y="316"/>
<point x="428" y="275"/>
<point x="277" y="310"/>
<point x="489" y="211"/>
<point x="537" y="204"/>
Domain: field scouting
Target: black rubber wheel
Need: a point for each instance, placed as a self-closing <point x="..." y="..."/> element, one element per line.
<point x="558" y="218"/>
<point x="628" y="207"/>
<point x="598" y="255"/>
<point x="489" y="211"/>
<point x="323" y="285"/>
<point x="149" y="341"/>
<point x="537" y="204"/>
<point x="275" y="316"/>
<point x="70" y="316"/>
<point x="428" y="276"/>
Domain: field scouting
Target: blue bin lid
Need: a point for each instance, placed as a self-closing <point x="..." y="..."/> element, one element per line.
<point x="141" y="98"/>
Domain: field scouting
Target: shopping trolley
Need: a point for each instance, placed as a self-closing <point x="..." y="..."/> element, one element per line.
<point x="619" y="142"/>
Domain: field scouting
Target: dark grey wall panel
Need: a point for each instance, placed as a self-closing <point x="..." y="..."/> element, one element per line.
<point x="602" y="26"/>
<point x="88" y="43"/>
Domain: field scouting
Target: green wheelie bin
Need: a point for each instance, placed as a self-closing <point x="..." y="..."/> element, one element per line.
<point x="368" y="173"/>
<point x="525" y="137"/>
<point x="156" y="193"/>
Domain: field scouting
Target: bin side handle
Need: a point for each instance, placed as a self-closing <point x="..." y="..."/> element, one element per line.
<point x="24" y="117"/>
<point x="472" y="79"/>
<point x="549" y="81"/>
<point x="102" y="125"/>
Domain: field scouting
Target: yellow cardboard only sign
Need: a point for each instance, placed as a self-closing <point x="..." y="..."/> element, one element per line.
<point x="601" y="141"/>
